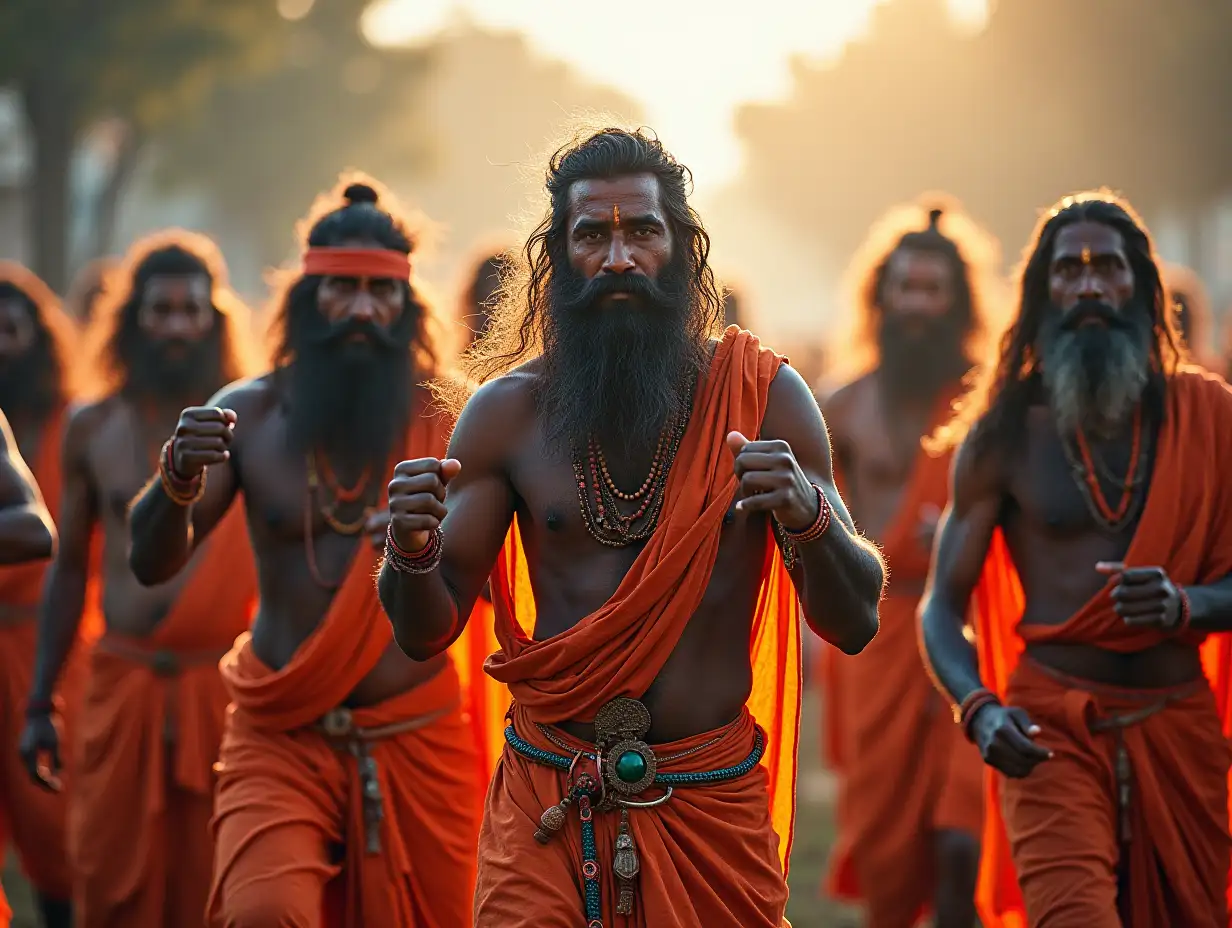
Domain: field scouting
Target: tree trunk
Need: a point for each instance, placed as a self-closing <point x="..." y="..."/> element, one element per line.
<point x="128" y="154"/>
<point x="49" y="114"/>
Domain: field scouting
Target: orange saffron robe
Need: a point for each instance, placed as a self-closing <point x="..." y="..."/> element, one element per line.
<point x="34" y="819"/>
<point x="289" y="816"/>
<point x="149" y="731"/>
<point x="1065" y="810"/>
<point x="713" y="855"/>
<point x="905" y="771"/>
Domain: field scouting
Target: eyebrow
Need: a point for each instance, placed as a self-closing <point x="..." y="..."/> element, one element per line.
<point x="600" y="225"/>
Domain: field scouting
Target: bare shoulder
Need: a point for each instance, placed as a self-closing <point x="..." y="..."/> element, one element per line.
<point x="841" y="406"/>
<point x="87" y="420"/>
<point x="976" y="476"/>
<point x="251" y="399"/>
<point x="791" y="407"/>
<point x="497" y="416"/>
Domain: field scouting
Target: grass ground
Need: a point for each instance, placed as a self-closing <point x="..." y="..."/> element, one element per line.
<point x="814" y="835"/>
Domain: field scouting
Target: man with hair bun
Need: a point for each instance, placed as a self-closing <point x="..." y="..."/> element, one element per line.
<point x="650" y="561"/>
<point x="148" y="727"/>
<point x="910" y="787"/>
<point x="350" y="777"/>
<point x="1089" y="539"/>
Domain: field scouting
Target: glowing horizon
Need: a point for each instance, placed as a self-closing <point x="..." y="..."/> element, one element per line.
<point x="675" y="65"/>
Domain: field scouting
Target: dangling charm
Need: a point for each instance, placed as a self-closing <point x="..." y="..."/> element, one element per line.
<point x="552" y="820"/>
<point x="626" y="865"/>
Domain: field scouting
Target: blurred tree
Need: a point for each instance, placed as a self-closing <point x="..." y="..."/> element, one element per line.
<point x="1053" y="95"/>
<point x="261" y="147"/>
<point x="135" y="65"/>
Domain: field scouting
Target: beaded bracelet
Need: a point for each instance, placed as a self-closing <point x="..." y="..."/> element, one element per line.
<point x="423" y="561"/>
<point x="976" y="700"/>
<point x="180" y="491"/>
<point x="788" y="540"/>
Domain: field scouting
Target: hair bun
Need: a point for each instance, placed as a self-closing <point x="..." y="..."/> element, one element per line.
<point x="360" y="193"/>
<point x="934" y="217"/>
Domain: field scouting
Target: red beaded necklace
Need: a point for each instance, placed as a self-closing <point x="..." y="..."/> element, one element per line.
<point x="1111" y="517"/>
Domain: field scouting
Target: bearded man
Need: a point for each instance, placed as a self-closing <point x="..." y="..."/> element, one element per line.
<point x="1090" y="528"/>
<point x="639" y="598"/>
<point x="36" y="345"/>
<point x="910" y="787"/>
<point x="150" y="721"/>
<point x="26" y="535"/>
<point x="342" y="758"/>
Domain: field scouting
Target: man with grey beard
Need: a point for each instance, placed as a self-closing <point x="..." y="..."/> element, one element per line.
<point x="1090" y="535"/>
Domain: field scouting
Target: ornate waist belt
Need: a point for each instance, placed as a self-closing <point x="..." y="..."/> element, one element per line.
<point x="339" y="728"/>
<point x="624" y="767"/>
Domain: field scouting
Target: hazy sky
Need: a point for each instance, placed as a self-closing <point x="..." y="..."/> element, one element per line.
<point x="690" y="63"/>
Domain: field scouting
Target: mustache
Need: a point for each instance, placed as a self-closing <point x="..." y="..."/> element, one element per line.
<point x="586" y="291"/>
<point x="1094" y="311"/>
<point x="332" y="333"/>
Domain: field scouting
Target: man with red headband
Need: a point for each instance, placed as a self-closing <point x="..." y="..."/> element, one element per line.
<point x="342" y="757"/>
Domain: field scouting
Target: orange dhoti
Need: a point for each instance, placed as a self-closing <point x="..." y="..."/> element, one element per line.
<point x="906" y="773"/>
<point x="1064" y="820"/>
<point x="349" y="818"/>
<point x="33" y="818"/>
<point x="710" y="855"/>
<point x="1059" y="843"/>
<point x="150" y="726"/>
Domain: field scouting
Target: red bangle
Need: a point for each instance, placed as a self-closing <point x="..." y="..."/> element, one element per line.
<point x="1182" y="624"/>
<point x="819" y="526"/>
<point x="975" y="701"/>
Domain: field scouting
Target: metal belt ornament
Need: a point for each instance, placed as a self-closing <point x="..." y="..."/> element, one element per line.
<point x="625" y="766"/>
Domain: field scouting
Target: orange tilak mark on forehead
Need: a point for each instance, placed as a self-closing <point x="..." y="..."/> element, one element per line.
<point x="1086" y="254"/>
<point x="615" y="215"/>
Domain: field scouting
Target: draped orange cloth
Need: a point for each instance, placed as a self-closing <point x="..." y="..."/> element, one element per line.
<point x="286" y="796"/>
<point x="150" y="727"/>
<point x="33" y="818"/>
<point x="618" y="651"/>
<point x="1058" y="825"/>
<point x="905" y="770"/>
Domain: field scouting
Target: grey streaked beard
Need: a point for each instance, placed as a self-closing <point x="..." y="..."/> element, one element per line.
<point x="1095" y="377"/>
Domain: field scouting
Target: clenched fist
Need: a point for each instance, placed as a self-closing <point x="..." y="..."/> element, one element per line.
<point x="417" y="500"/>
<point x="202" y="437"/>
<point x="771" y="480"/>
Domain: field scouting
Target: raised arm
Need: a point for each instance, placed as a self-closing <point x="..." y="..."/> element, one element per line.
<point x="26" y="530"/>
<point x="840" y="575"/>
<point x="430" y="609"/>
<point x="1004" y="735"/>
<point x="164" y="529"/>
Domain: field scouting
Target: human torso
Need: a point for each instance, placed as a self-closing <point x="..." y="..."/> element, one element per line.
<point x="1056" y="541"/>
<point x="707" y="678"/>
<point x="877" y="449"/>
<point x="121" y="456"/>
<point x="287" y="530"/>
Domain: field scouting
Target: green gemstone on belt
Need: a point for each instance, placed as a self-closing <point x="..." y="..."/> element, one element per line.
<point x="630" y="766"/>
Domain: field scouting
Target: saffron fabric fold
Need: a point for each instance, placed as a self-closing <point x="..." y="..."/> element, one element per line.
<point x="34" y="819"/>
<point x="289" y="818"/>
<point x="905" y="771"/>
<point x="149" y="730"/>
<point x="1186" y="528"/>
<point x="620" y="649"/>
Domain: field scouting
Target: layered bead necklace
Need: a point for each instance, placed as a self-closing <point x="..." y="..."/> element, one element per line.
<point x="1087" y="472"/>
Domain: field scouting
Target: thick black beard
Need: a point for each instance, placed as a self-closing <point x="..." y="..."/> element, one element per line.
<point x="1095" y="375"/>
<point x="920" y="357"/>
<point x="350" y="399"/>
<point x="619" y="369"/>
<point x="30" y="386"/>
<point x="176" y="369"/>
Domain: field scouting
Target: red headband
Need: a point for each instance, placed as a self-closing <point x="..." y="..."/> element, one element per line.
<point x="357" y="262"/>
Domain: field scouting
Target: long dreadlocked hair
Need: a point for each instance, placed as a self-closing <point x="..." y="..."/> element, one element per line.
<point x="993" y="414"/>
<point x="516" y="330"/>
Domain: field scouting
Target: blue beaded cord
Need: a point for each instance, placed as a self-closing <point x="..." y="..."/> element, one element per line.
<point x="582" y="798"/>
